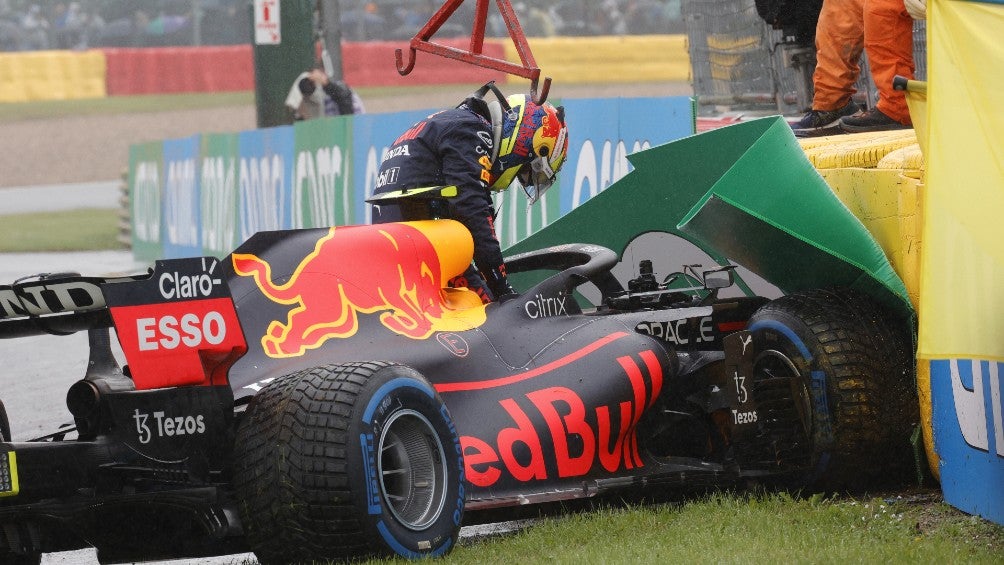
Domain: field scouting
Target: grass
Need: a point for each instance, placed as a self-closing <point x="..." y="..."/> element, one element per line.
<point x="765" y="528"/>
<point x="74" y="230"/>
<point x="746" y="528"/>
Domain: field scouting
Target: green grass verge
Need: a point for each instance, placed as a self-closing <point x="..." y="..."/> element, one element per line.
<point x="774" y="528"/>
<point x="73" y="230"/>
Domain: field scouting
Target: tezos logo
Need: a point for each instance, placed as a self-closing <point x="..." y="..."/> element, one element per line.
<point x="167" y="426"/>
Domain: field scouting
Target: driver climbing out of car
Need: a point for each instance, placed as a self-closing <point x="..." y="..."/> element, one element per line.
<point x="480" y="147"/>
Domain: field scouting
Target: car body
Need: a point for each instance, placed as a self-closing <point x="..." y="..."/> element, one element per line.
<point x="324" y="393"/>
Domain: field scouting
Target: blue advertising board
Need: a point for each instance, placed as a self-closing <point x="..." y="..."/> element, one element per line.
<point x="264" y="180"/>
<point x="967" y="408"/>
<point x="322" y="172"/>
<point x="604" y="132"/>
<point x="180" y="205"/>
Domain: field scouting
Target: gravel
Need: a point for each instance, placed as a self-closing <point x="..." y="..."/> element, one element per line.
<point x="96" y="148"/>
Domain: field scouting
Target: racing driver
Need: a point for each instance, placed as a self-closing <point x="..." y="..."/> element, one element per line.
<point x="479" y="147"/>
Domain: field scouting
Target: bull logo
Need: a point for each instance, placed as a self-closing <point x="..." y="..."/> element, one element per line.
<point x="399" y="270"/>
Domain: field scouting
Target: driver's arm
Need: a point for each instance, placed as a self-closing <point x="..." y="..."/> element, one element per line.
<point x="465" y="152"/>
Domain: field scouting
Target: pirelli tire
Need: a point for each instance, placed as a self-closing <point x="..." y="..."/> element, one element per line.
<point x="349" y="461"/>
<point x="834" y="380"/>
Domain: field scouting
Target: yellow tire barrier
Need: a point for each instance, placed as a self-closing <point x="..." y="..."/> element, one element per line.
<point x="878" y="176"/>
<point x="51" y="75"/>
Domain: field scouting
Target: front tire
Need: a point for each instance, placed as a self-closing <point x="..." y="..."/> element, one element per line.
<point x="348" y="461"/>
<point x="835" y="386"/>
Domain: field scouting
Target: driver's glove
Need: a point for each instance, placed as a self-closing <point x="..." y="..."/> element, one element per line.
<point x="498" y="283"/>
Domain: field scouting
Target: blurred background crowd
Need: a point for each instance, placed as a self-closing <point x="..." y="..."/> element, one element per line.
<point x="36" y="25"/>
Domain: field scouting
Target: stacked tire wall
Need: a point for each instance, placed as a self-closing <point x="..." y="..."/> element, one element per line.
<point x="97" y="73"/>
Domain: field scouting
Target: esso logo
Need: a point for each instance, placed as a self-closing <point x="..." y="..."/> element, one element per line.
<point x="169" y="332"/>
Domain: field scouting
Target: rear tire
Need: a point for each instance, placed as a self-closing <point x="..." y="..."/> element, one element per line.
<point x="835" y="387"/>
<point x="348" y="461"/>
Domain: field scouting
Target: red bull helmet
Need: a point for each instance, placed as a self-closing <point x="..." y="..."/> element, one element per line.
<point x="532" y="147"/>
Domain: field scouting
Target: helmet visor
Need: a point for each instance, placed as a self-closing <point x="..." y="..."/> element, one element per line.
<point x="536" y="177"/>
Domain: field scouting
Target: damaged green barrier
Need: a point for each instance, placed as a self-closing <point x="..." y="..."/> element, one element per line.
<point x="744" y="192"/>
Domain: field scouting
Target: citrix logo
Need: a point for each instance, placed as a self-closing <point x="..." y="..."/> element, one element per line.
<point x="546" y="307"/>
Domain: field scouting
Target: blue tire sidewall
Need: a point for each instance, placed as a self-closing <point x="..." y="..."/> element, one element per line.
<point x="772" y="333"/>
<point x="389" y="391"/>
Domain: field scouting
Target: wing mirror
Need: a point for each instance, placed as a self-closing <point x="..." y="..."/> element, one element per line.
<point x="719" y="278"/>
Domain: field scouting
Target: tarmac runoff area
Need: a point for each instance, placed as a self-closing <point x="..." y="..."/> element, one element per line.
<point x="46" y="366"/>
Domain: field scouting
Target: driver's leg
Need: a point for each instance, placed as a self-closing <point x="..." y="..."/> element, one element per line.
<point x="472" y="279"/>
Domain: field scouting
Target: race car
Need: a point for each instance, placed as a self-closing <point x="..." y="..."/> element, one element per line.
<point x="325" y="394"/>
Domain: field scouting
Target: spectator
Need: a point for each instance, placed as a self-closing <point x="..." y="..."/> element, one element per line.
<point x="306" y="102"/>
<point x="364" y="24"/>
<point x="535" y="21"/>
<point x="839" y="43"/>
<point x="479" y="147"/>
<point x="844" y="29"/>
<point x="10" y="35"/>
<point x="34" y="30"/>
<point x="888" y="30"/>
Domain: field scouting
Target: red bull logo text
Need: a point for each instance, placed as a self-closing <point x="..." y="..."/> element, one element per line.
<point x="397" y="270"/>
<point x="581" y="436"/>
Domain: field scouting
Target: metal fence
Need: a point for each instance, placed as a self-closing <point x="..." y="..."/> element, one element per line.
<point x="740" y="64"/>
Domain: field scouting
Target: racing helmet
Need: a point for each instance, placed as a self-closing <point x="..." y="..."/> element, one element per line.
<point x="532" y="146"/>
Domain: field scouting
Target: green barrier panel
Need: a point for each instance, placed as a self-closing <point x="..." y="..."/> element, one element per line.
<point x="146" y="163"/>
<point x="218" y="193"/>
<point x="322" y="193"/>
<point x="775" y="215"/>
<point x="745" y="192"/>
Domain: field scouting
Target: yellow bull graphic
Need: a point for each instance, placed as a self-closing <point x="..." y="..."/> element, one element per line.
<point x="397" y="269"/>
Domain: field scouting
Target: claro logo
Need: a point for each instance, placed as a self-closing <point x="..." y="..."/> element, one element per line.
<point x="175" y="286"/>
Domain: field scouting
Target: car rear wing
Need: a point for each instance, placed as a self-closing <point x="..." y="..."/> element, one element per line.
<point x="177" y="324"/>
<point x="55" y="303"/>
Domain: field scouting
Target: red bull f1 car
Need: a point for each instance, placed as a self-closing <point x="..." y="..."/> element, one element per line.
<point x="324" y="394"/>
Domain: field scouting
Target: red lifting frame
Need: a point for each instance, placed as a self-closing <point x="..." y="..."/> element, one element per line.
<point x="474" y="56"/>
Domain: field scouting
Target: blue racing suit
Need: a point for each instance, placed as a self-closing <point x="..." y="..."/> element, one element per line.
<point x="452" y="147"/>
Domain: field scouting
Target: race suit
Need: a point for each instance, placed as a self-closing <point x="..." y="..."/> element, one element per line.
<point x="452" y="147"/>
